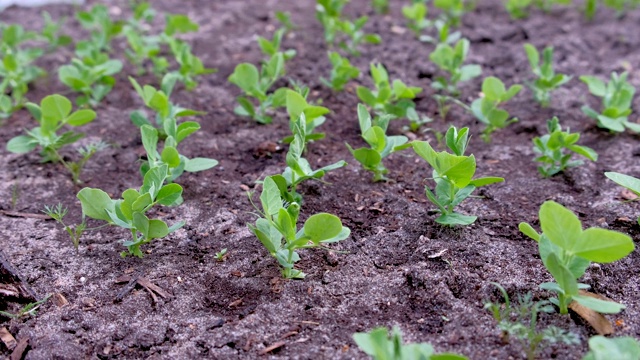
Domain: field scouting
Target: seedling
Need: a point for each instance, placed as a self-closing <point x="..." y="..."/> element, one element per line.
<point x="329" y="12"/>
<point x="617" y="97"/>
<point x="341" y="72"/>
<point x="602" y="348"/>
<point x="416" y="15"/>
<point x="621" y="6"/>
<point x="53" y="114"/>
<point x="277" y="229"/>
<point x="451" y="60"/>
<point x="221" y="255"/>
<point x="380" y="144"/>
<point x="626" y="181"/>
<point x="51" y="32"/>
<point x="190" y="65"/>
<point x="130" y="211"/>
<point x="102" y="28"/>
<point x="380" y="6"/>
<point x="272" y="47"/>
<point x="256" y="84"/>
<point x="520" y="321"/>
<point x="453" y="174"/>
<point x="383" y="346"/>
<point x="356" y="36"/>
<point x="57" y="213"/>
<point x="298" y="168"/>
<point x="28" y="310"/>
<point x="313" y="116"/>
<point x="444" y="34"/>
<point x="518" y="9"/>
<point x="567" y="251"/>
<point x="284" y="17"/>
<point x="551" y="148"/>
<point x="91" y="77"/>
<point x="143" y="47"/>
<point x="546" y="79"/>
<point x="453" y="10"/>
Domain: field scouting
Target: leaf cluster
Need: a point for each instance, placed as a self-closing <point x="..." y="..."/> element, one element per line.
<point x="341" y="72"/>
<point x="551" y="148"/>
<point x="623" y="348"/>
<point x="451" y="60"/>
<point x="487" y="108"/>
<point x="617" y="96"/>
<point x="329" y="13"/>
<point x="546" y="79"/>
<point x="297" y="105"/>
<point x="453" y="10"/>
<point x="567" y="251"/>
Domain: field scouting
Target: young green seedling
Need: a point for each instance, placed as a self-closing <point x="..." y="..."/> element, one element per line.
<point x="380" y="144"/>
<point x="272" y="47"/>
<point x="546" y="79"/>
<point x="298" y="168"/>
<point x="341" y="72"/>
<point x="452" y="10"/>
<point x="380" y="6"/>
<point x="130" y="211"/>
<point x="284" y="17"/>
<point x="57" y="213"/>
<point x="277" y="229"/>
<point x="629" y="182"/>
<point x="143" y="47"/>
<point x="51" y="32"/>
<point x="92" y="77"/>
<point x="383" y="346"/>
<point x="328" y="13"/>
<point x="103" y="30"/>
<point x="551" y="148"/>
<point x="30" y="309"/>
<point x="355" y="35"/>
<point x="518" y="9"/>
<point x="525" y="325"/>
<point x="416" y="16"/>
<point x="444" y="35"/>
<point x="190" y="65"/>
<point x="313" y="116"/>
<point x="451" y="60"/>
<point x="567" y="251"/>
<point x="256" y="84"/>
<point x="602" y="348"/>
<point x="453" y="174"/>
<point x="52" y="115"/>
<point x="617" y="97"/>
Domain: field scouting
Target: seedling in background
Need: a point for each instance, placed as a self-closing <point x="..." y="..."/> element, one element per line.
<point x="518" y="9"/>
<point x="313" y="116"/>
<point x="91" y="77"/>
<point x="617" y="97"/>
<point x="329" y="12"/>
<point x="221" y="255"/>
<point x="551" y="148"/>
<point x="602" y="348"/>
<point x="53" y="114"/>
<point x="284" y="17"/>
<point x="103" y="30"/>
<point x="51" y="32"/>
<point x="486" y="108"/>
<point x="298" y="168"/>
<point x="57" y="213"/>
<point x="451" y="59"/>
<point x="191" y="66"/>
<point x="520" y="321"/>
<point x="453" y="10"/>
<point x="341" y="72"/>
<point x="130" y="211"/>
<point x="567" y="251"/>
<point x="28" y="310"/>
<point x="416" y="16"/>
<point x="380" y="144"/>
<point x="356" y="36"/>
<point x="629" y="182"/>
<point x="277" y="229"/>
<point x="383" y="346"/>
<point x="453" y="174"/>
<point x="256" y="84"/>
<point x="444" y="35"/>
<point x="546" y="80"/>
<point x="272" y="47"/>
<point x="143" y="47"/>
<point x="621" y="6"/>
<point x="380" y="6"/>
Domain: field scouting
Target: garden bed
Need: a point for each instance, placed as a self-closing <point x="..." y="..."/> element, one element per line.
<point x="398" y="267"/>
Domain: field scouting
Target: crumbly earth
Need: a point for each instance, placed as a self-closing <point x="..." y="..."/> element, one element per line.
<point x="398" y="268"/>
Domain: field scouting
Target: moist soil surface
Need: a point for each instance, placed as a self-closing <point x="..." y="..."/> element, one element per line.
<point x="398" y="267"/>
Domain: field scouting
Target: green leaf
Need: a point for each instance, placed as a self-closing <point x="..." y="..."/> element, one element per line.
<point x="141" y="223"/>
<point x="532" y="55"/>
<point x="141" y="203"/>
<point x="493" y="88"/>
<point x="584" y="151"/>
<point x="170" y="156"/>
<point x="270" y="197"/>
<point x="563" y="276"/>
<point x="322" y="226"/>
<point x="149" y="140"/>
<point x="367" y="157"/>
<point x="528" y="230"/>
<point x="560" y="225"/>
<point x="157" y="229"/>
<point x="456" y="219"/>
<point x="626" y="181"/>
<point x="55" y="108"/>
<point x="200" y="164"/>
<point x="81" y="117"/>
<point x="22" y="144"/>
<point x="603" y="246"/>
<point x="169" y="194"/>
<point x="596" y="86"/>
<point x="246" y="77"/>
<point x="96" y="203"/>
<point x="621" y="348"/>
<point x="484" y="181"/>
<point x="601" y="306"/>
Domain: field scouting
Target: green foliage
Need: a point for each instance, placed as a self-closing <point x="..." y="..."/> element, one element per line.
<point x="329" y="13"/>
<point x="51" y="32"/>
<point x="546" y="79"/>
<point x="298" y="168"/>
<point x="355" y="36"/>
<point x="341" y="72"/>
<point x="444" y="35"/>
<point x="256" y="84"/>
<point x="551" y="148"/>
<point x="284" y="17"/>
<point x="129" y="212"/>
<point x="28" y="310"/>
<point x="486" y="108"/>
<point x="272" y="47"/>
<point x="451" y="59"/>
<point x="395" y="98"/>
<point x="277" y="228"/>
<point x="416" y="15"/>
<point x="617" y="96"/>
<point x="313" y="116"/>
<point x="91" y="77"/>
<point x="453" y="10"/>
<point x="520" y="321"/>
<point x="57" y="213"/>
<point x="621" y="348"/>
<point x="453" y="174"/>
<point x="103" y="31"/>
<point x="52" y="115"/>
<point x="380" y="6"/>
<point x="380" y="144"/>
<point x="221" y="255"/>
<point x="626" y="181"/>
<point x="621" y="6"/>
<point x="567" y="251"/>
<point x="383" y="346"/>
<point x="519" y="9"/>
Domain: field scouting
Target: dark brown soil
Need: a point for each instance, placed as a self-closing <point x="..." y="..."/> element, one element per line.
<point x="384" y="274"/>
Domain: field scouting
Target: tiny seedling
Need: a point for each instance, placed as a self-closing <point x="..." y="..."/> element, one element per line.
<point x="416" y="16"/>
<point x="380" y="144"/>
<point x="567" y="251"/>
<point x="277" y="229"/>
<point x="355" y="35"/>
<point x="383" y="346"/>
<point x="451" y="60"/>
<point x="221" y="255"/>
<point x="520" y="321"/>
<point x="256" y="84"/>
<point x="272" y="47"/>
<point x="453" y="10"/>
<point x="313" y="116"/>
<point x="130" y="211"/>
<point x="546" y="79"/>
<point x="621" y="348"/>
<point x="341" y="72"/>
<point x="629" y="182"/>
<point x="91" y="77"/>
<point x="284" y="17"/>
<point x="453" y="174"/>
<point x="617" y="97"/>
<point x="551" y="148"/>
<point x="53" y="114"/>
<point x="57" y="213"/>
<point x="51" y="32"/>
<point x="28" y="310"/>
